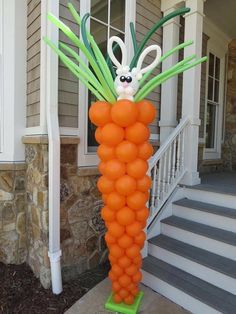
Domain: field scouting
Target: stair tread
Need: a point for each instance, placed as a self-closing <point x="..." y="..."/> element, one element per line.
<point x="210" y="208"/>
<point x="214" y="261"/>
<point x="209" y="294"/>
<point x="201" y="229"/>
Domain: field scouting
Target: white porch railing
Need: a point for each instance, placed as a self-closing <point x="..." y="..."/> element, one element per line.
<point x="166" y="168"/>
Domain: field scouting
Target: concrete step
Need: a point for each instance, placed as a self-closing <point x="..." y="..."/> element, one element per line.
<point x="218" y="270"/>
<point x="215" y="216"/>
<point x="212" y="239"/>
<point x="192" y="293"/>
<point x="210" y="195"/>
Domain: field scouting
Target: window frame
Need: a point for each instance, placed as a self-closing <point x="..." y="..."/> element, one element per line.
<point x="85" y="158"/>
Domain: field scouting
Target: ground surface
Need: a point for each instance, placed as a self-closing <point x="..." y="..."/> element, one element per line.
<point x="152" y="303"/>
<point x="21" y="292"/>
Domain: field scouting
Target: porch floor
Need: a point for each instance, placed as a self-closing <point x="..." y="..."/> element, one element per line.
<point x="222" y="182"/>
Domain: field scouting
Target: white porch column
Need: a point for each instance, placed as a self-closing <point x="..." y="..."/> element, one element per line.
<point x="169" y="89"/>
<point x="191" y="89"/>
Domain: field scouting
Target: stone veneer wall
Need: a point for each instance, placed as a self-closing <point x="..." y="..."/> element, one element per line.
<point x="13" y="246"/>
<point x="37" y="210"/>
<point x="229" y="147"/>
<point x="82" y="229"/>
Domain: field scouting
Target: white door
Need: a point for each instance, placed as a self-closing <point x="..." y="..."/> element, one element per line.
<point x="214" y="102"/>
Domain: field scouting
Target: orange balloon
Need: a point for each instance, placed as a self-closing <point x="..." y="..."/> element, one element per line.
<point x="101" y="167"/>
<point x="138" y="260"/>
<point x="135" y="291"/>
<point x="123" y="293"/>
<point x="116" y="251"/>
<point x="115" y="201"/>
<point x="137" y="200"/>
<point x="146" y="111"/>
<point x="98" y="135"/>
<point x="126" y="151"/>
<point x="131" y="286"/>
<point x="112" y="276"/>
<point x="140" y="238"/>
<point x="116" y="230"/>
<point x="116" y="286"/>
<point x="124" y="261"/>
<point x="137" y="133"/>
<point x="137" y="168"/>
<point x="129" y="300"/>
<point x="124" y="112"/>
<point x="114" y="169"/>
<point x="117" y="298"/>
<point x="112" y="259"/>
<point x="145" y="151"/>
<point x="100" y="113"/>
<point x="117" y="270"/>
<point x="112" y="134"/>
<point x="125" y="241"/>
<point x="107" y="214"/>
<point x="131" y="270"/>
<point x="109" y="238"/>
<point x="105" y="185"/>
<point x="106" y="152"/>
<point x="125" y="216"/>
<point x="125" y="185"/>
<point x="142" y="214"/>
<point x="134" y="229"/>
<point x="144" y="184"/>
<point x="104" y="198"/>
<point x="132" y="251"/>
<point x="137" y="277"/>
<point x="124" y="280"/>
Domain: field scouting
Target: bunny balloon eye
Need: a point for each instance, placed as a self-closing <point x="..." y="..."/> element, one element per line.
<point x="122" y="78"/>
<point x="128" y="79"/>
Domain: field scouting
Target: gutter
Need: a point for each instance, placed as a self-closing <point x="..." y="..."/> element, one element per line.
<point x="50" y="85"/>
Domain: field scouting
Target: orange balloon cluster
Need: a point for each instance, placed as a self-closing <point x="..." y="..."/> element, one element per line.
<point x="122" y="132"/>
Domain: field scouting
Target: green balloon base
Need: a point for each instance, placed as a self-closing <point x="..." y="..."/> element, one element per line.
<point x="122" y="307"/>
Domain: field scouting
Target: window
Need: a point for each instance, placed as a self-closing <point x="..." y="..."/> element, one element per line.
<point x="1" y="76"/>
<point x="108" y="18"/>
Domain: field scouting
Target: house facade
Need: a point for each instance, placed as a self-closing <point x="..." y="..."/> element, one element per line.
<point x="32" y="80"/>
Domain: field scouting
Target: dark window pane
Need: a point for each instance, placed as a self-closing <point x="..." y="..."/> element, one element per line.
<point x="118" y="14"/>
<point x="99" y="31"/>
<point x="216" y="91"/>
<point x="210" y="126"/>
<point x="210" y="88"/>
<point x="117" y="52"/>
<point x="92" y="143"/>
<point x="211" y="64"/>
<point x="217" y="68"/>
<point x="99" y="9"/>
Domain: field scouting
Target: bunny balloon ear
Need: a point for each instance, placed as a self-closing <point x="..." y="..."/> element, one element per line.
<point x="138" y="71"/>
<point x="121" y="67"/>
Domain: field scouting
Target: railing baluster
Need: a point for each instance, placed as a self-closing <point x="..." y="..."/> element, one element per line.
<point x="166" y="168"/>
<point x="173" y="162"/>
<point x="169" y="167"/>
<point x="178" y="155"/>
<point x="182" y="151"/>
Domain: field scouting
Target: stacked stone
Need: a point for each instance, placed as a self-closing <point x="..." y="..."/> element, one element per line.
<point x="123" y="134"/>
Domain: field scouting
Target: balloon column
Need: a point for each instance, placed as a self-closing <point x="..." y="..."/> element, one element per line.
<point x="122" y="117"/>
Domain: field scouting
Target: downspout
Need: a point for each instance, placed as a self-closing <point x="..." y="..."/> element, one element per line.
<point x="54" y="251"/>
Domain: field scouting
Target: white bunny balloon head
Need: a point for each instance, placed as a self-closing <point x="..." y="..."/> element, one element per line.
<point x="127" y="82"/>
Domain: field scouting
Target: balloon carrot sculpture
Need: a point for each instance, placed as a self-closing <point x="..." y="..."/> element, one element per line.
<point x="122" y="116"/>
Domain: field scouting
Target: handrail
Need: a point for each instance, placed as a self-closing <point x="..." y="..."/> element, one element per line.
<point x="166" y="168"/>
<point x="183" y="122"/>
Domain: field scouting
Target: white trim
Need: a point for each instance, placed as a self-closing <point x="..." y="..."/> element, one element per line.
<point x="1" y="76"/>
<point x="155" y="137"/>
<point x="86" y="158"/>
<point x="218" y="50"/>
<point x="13" y="95"/>
<point x="69" y="131"/>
